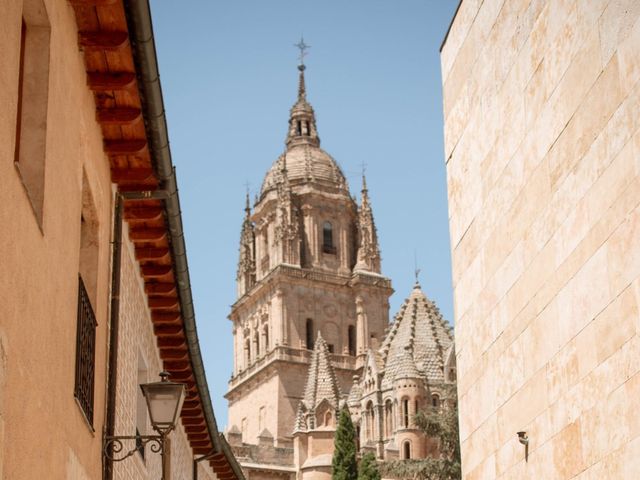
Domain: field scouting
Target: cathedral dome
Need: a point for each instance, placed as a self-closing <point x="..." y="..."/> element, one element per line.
<point x="306" y="163"/>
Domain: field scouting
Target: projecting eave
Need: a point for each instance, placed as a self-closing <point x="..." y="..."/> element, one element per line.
<point x="117" y="43"/>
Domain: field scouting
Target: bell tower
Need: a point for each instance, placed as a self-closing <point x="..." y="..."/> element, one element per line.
<point x="309" y="265"/>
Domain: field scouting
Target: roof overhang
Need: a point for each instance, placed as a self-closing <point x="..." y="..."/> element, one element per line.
<point x="116" y="38"/>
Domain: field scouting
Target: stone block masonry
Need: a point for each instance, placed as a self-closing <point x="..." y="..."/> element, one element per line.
<point x="542" y="146"/>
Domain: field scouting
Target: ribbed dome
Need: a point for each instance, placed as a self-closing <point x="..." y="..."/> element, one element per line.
<point x="304" y="160"/>
<point x="306" y="164"/>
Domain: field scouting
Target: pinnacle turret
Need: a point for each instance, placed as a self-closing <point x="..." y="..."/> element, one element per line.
<point x="302" y="119"/>
<point x="246" y="274"/>
<point x="321" y="381"/>
<point x="368" y="257"/>
<point x="287" y="231"/>
<point x="321" y="387"/>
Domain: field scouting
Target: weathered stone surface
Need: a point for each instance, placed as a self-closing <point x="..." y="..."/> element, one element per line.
<point x="542" y="145"/>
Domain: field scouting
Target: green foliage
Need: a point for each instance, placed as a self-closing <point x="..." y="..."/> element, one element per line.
<point x="344" y="465"/>
<point x="368" y="468"/>
<point x="440" y="424"/>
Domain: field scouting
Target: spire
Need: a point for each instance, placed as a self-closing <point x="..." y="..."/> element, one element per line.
<point x="246" y="275"/>
<point x="321" y="380"/>
<point x="287" y="231"/>
<point x="302" y="120"/>
<point x="247" y="206"/>
<point x="368" y="258"/>
<point x="302" y="89"/>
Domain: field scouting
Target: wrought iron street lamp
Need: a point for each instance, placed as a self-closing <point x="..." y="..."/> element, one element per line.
<point x="164" y="402"/>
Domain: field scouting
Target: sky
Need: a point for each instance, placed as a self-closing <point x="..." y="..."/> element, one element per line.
<point x="229" y="77"/>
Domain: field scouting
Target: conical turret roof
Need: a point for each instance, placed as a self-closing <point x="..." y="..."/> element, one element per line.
<point x="321" y="380"/>
<point x="418" y="339"/>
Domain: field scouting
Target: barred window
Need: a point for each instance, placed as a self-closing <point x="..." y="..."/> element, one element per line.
<point x="85" y="352"/>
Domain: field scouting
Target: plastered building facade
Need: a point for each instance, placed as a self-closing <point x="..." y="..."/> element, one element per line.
<point x="90" y="306"/>
<point x="311" y="323"/>
<point x="541" y="108"/>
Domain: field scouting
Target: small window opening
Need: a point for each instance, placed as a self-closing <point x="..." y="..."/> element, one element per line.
<point x="308" y="132"/>
<point x="407" y="450"/>
<point x="351" y="333"/>
<point x="330" y="347"/>
<point x="327" y="238"/>
<point x="435" y="401"/>
<point x="405" y="412"/>
<point x="298" y="128"/>
<point x="309" y="333"/>
<point x="87" y="294"/>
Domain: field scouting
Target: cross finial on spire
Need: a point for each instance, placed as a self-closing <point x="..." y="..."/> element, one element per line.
<point x="302" y="47"/>
<point x="416" y="269"/>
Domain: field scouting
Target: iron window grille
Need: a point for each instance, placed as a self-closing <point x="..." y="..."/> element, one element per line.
<point x="85" y="352"/>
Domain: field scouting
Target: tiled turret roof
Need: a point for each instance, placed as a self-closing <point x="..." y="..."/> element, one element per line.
<point x="420" y="333"/>
<point x="404" y="365"/>
<point x="321" y="381"/>
<point x="356" y="393"/>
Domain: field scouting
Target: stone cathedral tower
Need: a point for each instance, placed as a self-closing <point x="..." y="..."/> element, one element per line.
<point x="309" y="265"/>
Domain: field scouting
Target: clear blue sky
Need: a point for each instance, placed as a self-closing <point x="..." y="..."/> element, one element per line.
<point x="228" y="71"/>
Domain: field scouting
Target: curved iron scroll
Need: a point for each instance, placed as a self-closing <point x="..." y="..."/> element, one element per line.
<point x="114" y="446"/>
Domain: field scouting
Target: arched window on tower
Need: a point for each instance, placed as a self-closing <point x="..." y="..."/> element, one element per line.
<point x="406" y="450"/>
<point x="309" y="333"/>
<point x="327" y="418"/>
<point x="405" y="413"/>
<point x="327" y="238"/>
<point x="388" y="419"/>
<point x="370" y="422"/>
<point x="351" y="334"/>
<point x="435" y="400"/>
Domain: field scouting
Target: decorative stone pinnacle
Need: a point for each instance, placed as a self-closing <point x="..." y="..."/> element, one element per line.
<point x="247" y="206"/>
<point x="364" y="177"/>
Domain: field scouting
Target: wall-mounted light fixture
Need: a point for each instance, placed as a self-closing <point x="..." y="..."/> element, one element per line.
<point x="164" y="402"/>
<point x="523" y="438"/>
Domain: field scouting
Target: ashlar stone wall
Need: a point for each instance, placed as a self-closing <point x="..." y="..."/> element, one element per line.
<point x="542" y="145"/>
